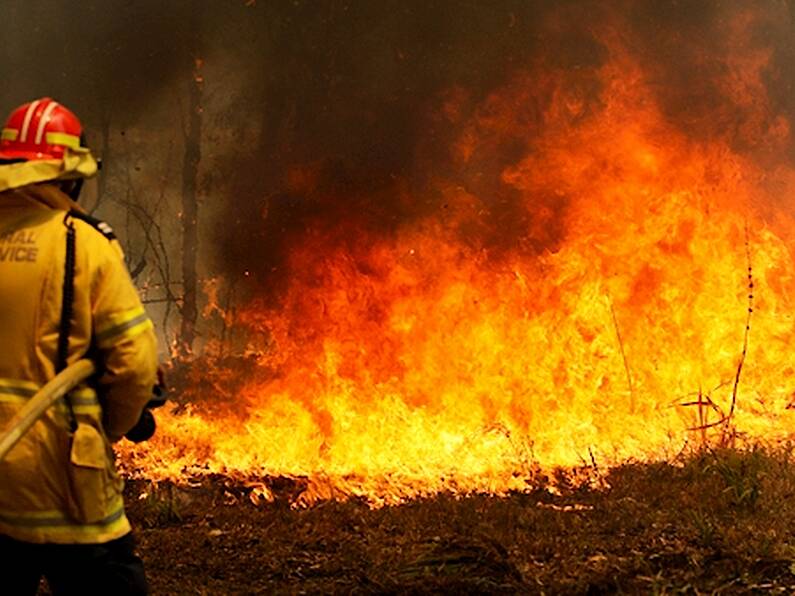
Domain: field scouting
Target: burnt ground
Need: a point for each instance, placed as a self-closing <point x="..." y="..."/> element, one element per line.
<point x="719" y="522"/>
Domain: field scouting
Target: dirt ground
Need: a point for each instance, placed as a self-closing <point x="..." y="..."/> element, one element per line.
<point x="720" y="522"/>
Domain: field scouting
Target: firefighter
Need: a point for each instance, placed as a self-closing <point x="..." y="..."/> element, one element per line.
<point x="65" y="294"/>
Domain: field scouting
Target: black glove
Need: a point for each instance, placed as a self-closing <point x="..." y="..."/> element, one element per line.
<point x="145" y="428"/>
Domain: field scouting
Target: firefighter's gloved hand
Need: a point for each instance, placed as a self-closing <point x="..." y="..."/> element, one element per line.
<point x="146" y="426"/>
<point x="144" y="429"/>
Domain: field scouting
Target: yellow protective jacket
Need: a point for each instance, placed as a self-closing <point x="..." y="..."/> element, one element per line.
<point x="55" y="488"/>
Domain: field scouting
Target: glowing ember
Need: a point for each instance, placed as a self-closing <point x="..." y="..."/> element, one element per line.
<point x="425" y="360"/>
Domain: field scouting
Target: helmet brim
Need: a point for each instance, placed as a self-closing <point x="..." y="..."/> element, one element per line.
<point x="18" y="172"/>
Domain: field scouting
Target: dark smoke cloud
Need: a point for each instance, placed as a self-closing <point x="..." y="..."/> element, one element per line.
<point x="348" y="90"/>
<point x="688" y="48"/>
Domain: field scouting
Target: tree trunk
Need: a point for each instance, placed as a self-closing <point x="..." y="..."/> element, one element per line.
<point x="190" y="206"/>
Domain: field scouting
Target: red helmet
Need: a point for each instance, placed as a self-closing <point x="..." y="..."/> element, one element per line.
<point x="39" y="130"/>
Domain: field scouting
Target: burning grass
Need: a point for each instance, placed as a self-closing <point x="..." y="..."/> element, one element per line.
<point x="715" y="521"/>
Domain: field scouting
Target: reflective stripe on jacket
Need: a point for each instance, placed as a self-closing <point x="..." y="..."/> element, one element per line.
<point x="49" y="490"/>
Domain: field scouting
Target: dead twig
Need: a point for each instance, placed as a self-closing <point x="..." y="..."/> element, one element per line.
<point x="623" y="356"/>
<point x="747" y="329"/>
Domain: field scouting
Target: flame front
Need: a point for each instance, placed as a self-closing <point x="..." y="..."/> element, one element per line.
<point x="426" y="359"/>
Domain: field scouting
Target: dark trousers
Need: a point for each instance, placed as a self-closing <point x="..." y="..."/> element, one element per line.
<point x="110" y="568"/>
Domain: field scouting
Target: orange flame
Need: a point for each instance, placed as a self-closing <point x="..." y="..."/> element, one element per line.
<point x="408" y="363"/>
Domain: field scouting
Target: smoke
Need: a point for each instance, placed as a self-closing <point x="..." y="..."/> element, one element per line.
<point x="721" y="69"/>
<point x="102" y="58"/>
<point x="353" y="103"/>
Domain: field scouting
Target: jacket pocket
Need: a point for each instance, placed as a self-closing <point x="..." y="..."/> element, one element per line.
<point x="91" y="475"/>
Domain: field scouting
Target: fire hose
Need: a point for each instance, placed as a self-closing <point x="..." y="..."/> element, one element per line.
<point x="59" y="386"/>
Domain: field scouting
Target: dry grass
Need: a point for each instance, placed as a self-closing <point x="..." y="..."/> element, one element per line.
<point x="721" y="522"/>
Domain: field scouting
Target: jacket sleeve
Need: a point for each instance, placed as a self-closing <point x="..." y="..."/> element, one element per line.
<point x="125" y="338"/>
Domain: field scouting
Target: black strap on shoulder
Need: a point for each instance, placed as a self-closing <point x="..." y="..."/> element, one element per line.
<point x="67" y="308"/>
<point x="99" y="225"/>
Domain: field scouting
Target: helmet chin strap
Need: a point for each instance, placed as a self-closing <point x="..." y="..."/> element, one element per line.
<point x="74" y="191"/>
<point x="71" y="188"/>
